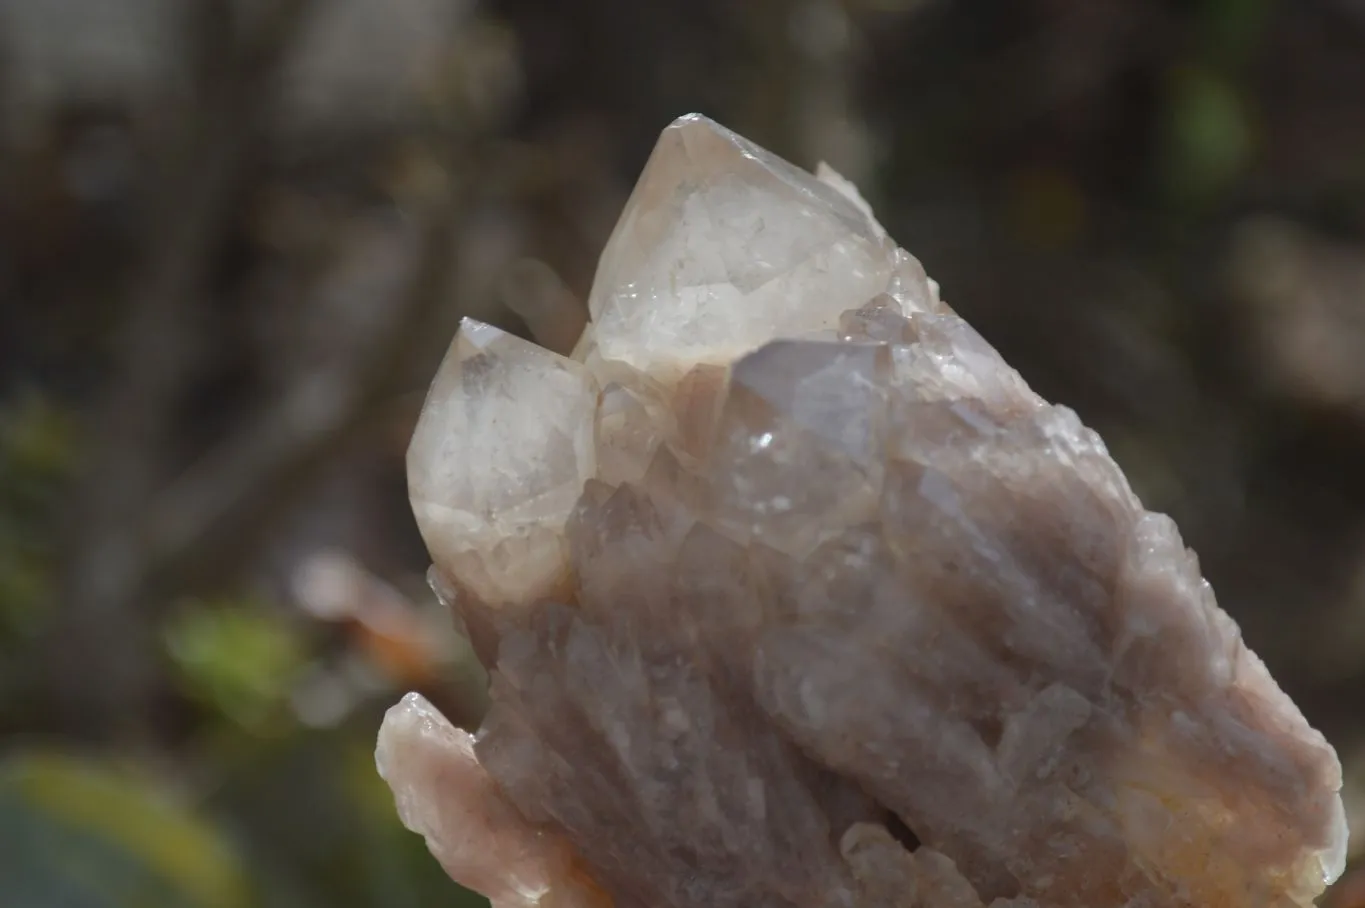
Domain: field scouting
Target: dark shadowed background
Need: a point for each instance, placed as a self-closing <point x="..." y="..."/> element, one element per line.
<point x="236" y="236"/>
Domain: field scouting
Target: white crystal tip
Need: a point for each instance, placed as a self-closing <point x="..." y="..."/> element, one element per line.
<point x="696" y="119"/>
<point x="699" y="122"/>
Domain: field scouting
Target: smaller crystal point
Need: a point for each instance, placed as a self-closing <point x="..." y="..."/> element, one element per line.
<point x="799" y="410"/>
<point x="629" y="430"/>
<point x="481" y="840"/>
<point x="498" y="459"/>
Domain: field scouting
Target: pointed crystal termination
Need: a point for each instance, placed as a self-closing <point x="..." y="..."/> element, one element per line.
<point x="480" y="839"/>
<point x="723" y="246"/>
<point x="794" y="594"/>
<point x="499" y="457"/>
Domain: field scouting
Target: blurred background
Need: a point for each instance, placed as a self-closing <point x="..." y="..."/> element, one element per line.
<point x="236" y="236"/>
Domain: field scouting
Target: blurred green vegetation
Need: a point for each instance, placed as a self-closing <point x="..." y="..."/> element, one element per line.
<point x="251" y="808"/>
<point x="37" y="450"/>
<point x="235" y="238"/>
<point x="84" y="834"/>
<point x="235" y="659"/>
<point x="37" y="453"/>
<point x="302" y="820"/>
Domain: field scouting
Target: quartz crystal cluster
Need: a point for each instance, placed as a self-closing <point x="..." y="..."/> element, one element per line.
<point x="792" y="593"/>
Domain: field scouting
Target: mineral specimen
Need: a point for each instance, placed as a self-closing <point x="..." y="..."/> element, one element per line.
<point x="793" y="594"/>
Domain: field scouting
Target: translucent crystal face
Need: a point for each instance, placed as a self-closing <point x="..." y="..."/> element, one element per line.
<point x="723" y="246"/>
<point x="785" y="561"/>
<point x="498" y="459"/>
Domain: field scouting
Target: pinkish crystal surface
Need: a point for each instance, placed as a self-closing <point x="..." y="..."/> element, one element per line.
<point x="794" y="594"/>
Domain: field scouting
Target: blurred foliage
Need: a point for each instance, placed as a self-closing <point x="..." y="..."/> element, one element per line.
<point x="235" y="659"/>
<point x="300" y="821"/>
<point x="37" y="452"/>
<point x="1211" y="138"/>
<point x="84" y="835"/>
<point x="1233" y="30"/>
<point x="338" y="843"/>
<point x="235" y="238"/>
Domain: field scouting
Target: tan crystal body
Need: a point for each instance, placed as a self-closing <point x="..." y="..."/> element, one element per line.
<point x="785" y="562"/>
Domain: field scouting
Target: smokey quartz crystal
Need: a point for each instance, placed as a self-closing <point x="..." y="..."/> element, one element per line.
<point x="792" y="593"/>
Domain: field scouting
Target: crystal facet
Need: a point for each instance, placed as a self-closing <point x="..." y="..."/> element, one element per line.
<point x="724" y="246"/>
<point x="793" y="594"/>
<point x="480" y="839"/>
<point x="498" y="459"/>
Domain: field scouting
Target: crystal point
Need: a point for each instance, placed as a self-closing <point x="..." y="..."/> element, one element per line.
<point x="499" y="456"/>
<point x="794" y="594"/>
<point x="481" y="840"/>
<point x="721" y="246"/>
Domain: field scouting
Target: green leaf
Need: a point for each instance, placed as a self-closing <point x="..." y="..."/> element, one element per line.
<point x="1210" y="137"/>
<point x="76" y="834"/>
<point x="238" y="659"/>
